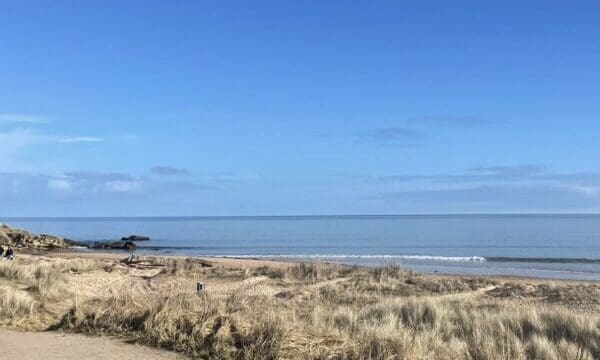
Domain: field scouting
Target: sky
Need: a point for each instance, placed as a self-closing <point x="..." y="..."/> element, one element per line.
<point x="154" y="108"/>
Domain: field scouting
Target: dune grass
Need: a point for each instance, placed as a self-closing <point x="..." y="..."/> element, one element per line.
<point x="319" y="312"/>
<point x="15" y="302"/>
<point x="415" y="328"/>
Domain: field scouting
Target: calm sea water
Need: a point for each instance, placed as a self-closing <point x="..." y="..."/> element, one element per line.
<point x="554" y="246"/>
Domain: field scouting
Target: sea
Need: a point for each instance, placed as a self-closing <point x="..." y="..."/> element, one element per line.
<point x="544" y="246"/>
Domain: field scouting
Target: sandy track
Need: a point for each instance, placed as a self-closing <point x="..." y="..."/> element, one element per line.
<point x="58" y="346"/>
<point x="466" y="295"/>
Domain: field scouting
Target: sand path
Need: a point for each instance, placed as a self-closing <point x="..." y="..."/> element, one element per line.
<point x="60" y="346"/>
<point x="466" y="295"/>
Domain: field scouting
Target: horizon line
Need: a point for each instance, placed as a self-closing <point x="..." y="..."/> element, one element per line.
<point x="296" y="216"/>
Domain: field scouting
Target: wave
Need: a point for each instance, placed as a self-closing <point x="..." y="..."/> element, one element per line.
<point x="476" y="259"/>
<point x="359" y="256"/>
<point x="390" y="257"/>
<point x="543" y="260"/>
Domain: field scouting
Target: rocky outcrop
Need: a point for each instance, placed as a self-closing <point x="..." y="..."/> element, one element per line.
<point x="121" y="245"/>
<point x="24" y="239"/>
<point x="135" y="238"/>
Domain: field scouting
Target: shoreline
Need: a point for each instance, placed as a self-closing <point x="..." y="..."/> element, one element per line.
<point x="232" y="262"/>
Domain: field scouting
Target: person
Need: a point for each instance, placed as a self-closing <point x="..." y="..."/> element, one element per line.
<point x="9" y="253"/>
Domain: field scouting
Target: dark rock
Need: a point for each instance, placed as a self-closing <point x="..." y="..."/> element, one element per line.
<point x="121" y="245"/>
<point x="135" y="238"/>
<point x="77" y="243"/>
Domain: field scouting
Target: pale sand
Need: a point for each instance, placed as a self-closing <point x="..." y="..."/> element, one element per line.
<point x="119" y="255"/>
<point x="247" y="263"/>
<point x="59" y="346"/>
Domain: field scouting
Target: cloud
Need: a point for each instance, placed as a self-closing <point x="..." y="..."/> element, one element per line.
<point x="531" y="197"/>
<point x="14" y="142"/>
<point x="464" y="121"/>
<point x="226" y="177"/>
<point x="19" y="138"/>
<point x="80" y="139"/>
<point x="83" y="182"/>
<point x="498" y="174"/>
<point x="62" y="185"/>
<point x="390" y="135"/>
<point x="181" y="186"/>
<point x="78" y="187"/>
<point x="522" y="187"/>
<point x="510" y="170"/>
<point x="168" y="170"/>
<point x="22" y="118"/>
<point x="95" y="177"/>
<point x="123" y="186"/>
<point x="88" y="184"/>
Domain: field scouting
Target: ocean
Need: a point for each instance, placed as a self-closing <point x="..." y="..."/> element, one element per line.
<point x="545" y="246"/>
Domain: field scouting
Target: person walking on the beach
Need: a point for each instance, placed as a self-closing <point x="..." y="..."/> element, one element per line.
<point x="9" y="253"/>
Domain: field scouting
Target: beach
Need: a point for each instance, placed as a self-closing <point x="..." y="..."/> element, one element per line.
<point x="544" y="246"/>
<point x="265" y="309"/>
<point x="297" y="180"/>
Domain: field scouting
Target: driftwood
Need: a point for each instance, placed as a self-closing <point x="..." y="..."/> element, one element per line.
<point x="150" y="262"/>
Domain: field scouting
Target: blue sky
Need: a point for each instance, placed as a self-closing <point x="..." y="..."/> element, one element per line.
<point x="280" y="107"/>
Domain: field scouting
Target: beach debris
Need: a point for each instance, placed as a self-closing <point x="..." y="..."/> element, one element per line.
<point x="145" y="262"/>
<point x="153" y="265"/>
<point x="200" y="287"/>
<point x="135" y="238"/>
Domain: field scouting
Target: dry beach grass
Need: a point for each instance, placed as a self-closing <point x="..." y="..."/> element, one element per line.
<point x="300" y="311"/>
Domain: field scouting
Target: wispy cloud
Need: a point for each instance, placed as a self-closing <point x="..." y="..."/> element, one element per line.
<point x="390" y="135"/>
<point x="19" y="138"/>
<point x="500" y="173"/>
<point x="61" y="185"/>
<point x="95" y="182"/>
<point x="94" y="177"/>
<point x="521" y="187"/>
<point x="168" y="170"/>
<point x="129" y="186"/>
<point x="80" y="139"/>
<point x="22" y="118"/>
<point x="13" y="143"/>
<point x="510" y="170"/>
<point x="529" y="197"/>
<point x="226" y="177"/>
<point x="463" y="121"/>
<point x="79" y="185"/>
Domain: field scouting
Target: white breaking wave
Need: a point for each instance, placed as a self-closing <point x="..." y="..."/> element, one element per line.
<point x="357" y="256"/>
